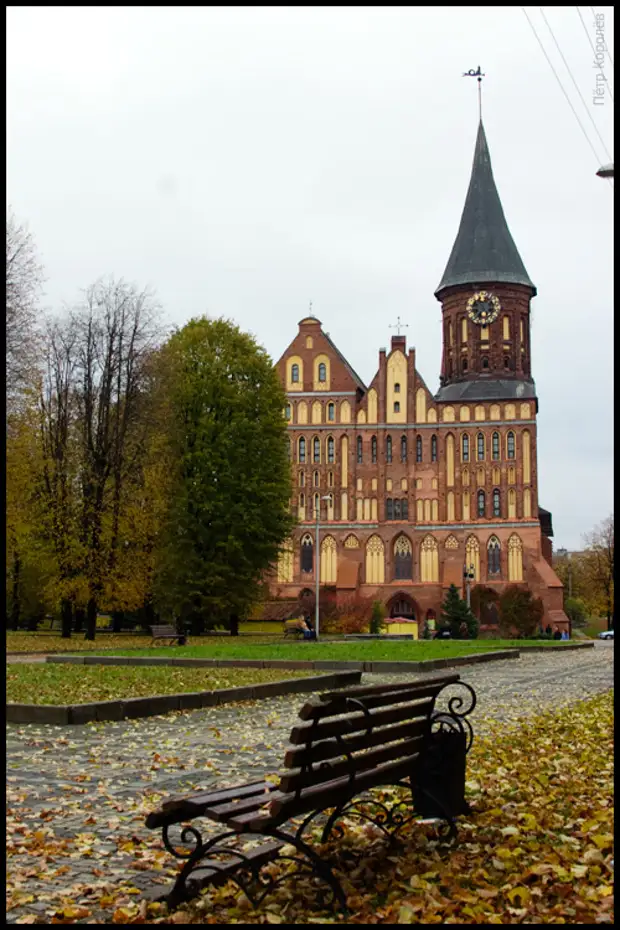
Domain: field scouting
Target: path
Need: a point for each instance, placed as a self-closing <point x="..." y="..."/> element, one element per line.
<point x="86" y="789"/>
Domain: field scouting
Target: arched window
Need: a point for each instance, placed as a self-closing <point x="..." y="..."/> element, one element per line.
<point x="330" y="450"/>
<point x="295" y="374"/>
<point x="287" y="411"/>
<point x="497" y="510"/>
<point x="397" y="388"/>
<point x="403" y="449"/>
<point x="359" y="450"/>
<point x="515" y="558"/>
<point x="302" y="450"/>
<point x="485" y="362"/>
<point x="316" y="480"/>
<point x="495" y="446"/>
<point x="388" y="449"/>
<point x="465" y="448"/>
<point x="480" y="447"/>
<point x="389" y="509"/>
<point x="472" y="556"/>
<point x="307" y="548"/>
<point x="433" y="448"/>
<point x="403" y="559"/>
<point x="481" y="504"/>
<point x="493" y="556"/>
<point x="464" y="365"/>
<point x="397" y="510"/>
<point x="404" y="509"/>
<point x="375" y="561"/>
<point x="510" y="445"/>
<point x="317" y="506"/>
<point x="429" y="560"/>
<point x="373" y="450"/>
<point x="328" y="560"/>
<point x="302" y="479"/>
<point x="322" y="372"/>
<point x="330" y="479"/>
<point x="418" y="449"/>
<point x="331" y="412"/>
<point x="316" y="449"/>
<point x="506" y="363"/>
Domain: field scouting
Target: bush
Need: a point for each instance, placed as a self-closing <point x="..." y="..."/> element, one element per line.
<point x="376" y="618"/>
<point x="520" y="614"/>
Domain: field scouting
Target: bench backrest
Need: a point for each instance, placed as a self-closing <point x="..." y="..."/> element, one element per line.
<point x="163" y="630"/>
<point x="365" y="735"/>
<point x="295" y="624"/>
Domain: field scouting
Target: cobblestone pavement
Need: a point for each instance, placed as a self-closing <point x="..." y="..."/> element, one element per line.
<point x="86" y="789"/>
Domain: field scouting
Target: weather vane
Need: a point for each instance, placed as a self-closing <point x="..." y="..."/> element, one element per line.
<point x="398" y="326"/>
<point x="477" y="74"/>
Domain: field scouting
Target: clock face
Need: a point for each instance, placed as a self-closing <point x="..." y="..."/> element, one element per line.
<point x="483" y="308"/>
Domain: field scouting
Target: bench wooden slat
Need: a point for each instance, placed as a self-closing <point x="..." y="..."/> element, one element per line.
<point x="326" y="795"/>
<point x="329" y="749"/>
<point x="351" y="723"/>
<point x="222" y="794"/>
<point x="363" y="690"/>
<point x="365" y="760"/>
<point x="338" y="706"/>
<point x="221" y="812"/>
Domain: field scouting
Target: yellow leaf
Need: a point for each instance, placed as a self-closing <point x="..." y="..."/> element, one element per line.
<point x="503" y="852"/>
<point x="579" y="871"/>
<point x="602" y="840"/>
<point x="273" y="918"/>
<point x="519" y="896"/>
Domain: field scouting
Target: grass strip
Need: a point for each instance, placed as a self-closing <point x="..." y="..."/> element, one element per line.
<point x="70" y="684"/>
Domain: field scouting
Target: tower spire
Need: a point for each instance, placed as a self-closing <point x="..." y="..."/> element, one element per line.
<point x="484" y="250"/>
<point x="477" y="74"/>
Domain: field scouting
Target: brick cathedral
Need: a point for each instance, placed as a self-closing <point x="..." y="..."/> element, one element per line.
<point x="413" y="485"/>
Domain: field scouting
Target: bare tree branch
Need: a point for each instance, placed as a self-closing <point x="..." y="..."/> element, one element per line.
<point x="24" y="279"/>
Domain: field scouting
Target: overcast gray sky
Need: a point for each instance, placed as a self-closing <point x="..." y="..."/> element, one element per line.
<point x="244" y="161"/>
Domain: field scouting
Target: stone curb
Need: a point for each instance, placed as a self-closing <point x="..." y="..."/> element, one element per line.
<point x="131" y="708"/>
<point x="377" y="666"/>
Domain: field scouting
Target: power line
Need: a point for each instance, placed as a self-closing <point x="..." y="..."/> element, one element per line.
<point x="585" y="29"/>
<point x="575" y="83"/>
<point x="568" y="100"/>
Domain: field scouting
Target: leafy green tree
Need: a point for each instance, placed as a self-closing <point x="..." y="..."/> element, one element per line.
<point x="520" y="612"/>
<point x="457" y="617"/>
<point x="230" y="488"/>
<point x="575" y="609"/>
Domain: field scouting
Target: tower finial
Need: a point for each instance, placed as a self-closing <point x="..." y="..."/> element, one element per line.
<point x="477" y="74"/>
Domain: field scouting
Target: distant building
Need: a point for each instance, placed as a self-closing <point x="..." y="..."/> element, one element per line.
<point x="425" y="483"/>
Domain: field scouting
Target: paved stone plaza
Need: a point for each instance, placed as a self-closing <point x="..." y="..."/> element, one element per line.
<point x="88" y="788"/>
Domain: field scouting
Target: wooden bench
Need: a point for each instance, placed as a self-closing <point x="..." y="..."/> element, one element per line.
<point x="165" y="631"/>
<point x="348" y="742"/>
<point x="294" y="628"/>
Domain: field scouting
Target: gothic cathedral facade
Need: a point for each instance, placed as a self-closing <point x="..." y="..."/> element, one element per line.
<point x="412" y="486"/>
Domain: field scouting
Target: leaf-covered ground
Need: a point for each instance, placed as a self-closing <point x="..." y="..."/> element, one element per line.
<point x="80" y="684"/>
<point x="53" y="642"/>
<point x="537" y="849"/>
<point x="399" y="651"/>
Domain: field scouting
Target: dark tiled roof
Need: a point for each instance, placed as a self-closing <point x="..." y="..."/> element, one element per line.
<point x="351" y="371"/>
<point x="484" y="251"/>
<point x="545" y="522"/>
<point x="481" y="389"/>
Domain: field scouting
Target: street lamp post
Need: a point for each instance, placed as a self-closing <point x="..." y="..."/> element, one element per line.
<point x="317" y="561"/>
<point x="468" y="574"/>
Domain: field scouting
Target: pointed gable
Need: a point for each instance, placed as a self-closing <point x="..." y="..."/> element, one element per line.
<point x="484" y="249"/>
<point x="310" y="348"/>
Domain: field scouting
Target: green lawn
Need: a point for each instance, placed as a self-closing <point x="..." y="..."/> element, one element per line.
<point x="359" y="651"/>
<point x="73" y="684"/>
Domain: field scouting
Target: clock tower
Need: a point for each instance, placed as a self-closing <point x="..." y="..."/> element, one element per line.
<point x="485" y="295"/>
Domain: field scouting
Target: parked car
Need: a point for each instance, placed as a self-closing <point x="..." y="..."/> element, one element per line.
<point x="606" y="634"/>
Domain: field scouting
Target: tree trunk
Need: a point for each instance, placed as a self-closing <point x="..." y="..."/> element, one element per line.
<point x="91" y="618"/>
<point x="234" y="625"/>
<point x="66" y="616"/>
<point x="16" y="591"/>
<point x="117" y="620"/>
